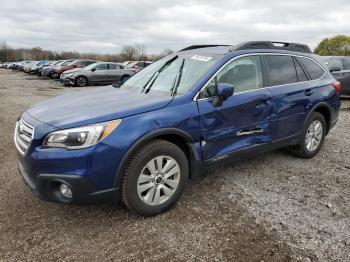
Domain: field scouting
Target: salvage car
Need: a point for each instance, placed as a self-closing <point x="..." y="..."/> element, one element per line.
<point x="102" y="73"/>
<point x="140" y="143"/>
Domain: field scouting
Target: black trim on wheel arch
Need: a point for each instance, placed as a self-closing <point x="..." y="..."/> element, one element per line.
<point x="314" y="108"/>
<point x="195" y="165"/>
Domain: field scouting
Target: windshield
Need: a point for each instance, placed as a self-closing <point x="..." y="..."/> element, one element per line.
<point x="173" y="74"/>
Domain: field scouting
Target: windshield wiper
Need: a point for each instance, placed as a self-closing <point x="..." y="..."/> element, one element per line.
<point x="177" y="83"/>
<point x="156" y="74"/>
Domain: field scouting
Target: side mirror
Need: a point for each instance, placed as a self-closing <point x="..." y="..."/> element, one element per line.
<point x="93" y="70"/>
<point x="223" y="91"/>
<point x="335" y="69"/>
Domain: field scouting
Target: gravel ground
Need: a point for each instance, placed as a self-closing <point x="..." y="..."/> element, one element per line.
<point x="274" y="207"/>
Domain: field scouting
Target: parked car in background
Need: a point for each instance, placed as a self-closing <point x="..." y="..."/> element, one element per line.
<point x="19" y="66"/>
<point x="140" y="143"/>
<point x="41" y="67"/>
<point x="34" y="68"/>
<point x="137" y="66"/>
<point x="48" y="71"/>
<point x="75" y="64"/>
<point x="101" y="73"/>
<point x="339" y="66"/>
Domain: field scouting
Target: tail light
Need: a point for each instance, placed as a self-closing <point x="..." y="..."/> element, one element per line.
<point x="336" y="86"/>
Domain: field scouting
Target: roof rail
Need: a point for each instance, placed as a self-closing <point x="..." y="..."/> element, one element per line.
<point x="199" y="46"/>
<point x="272" y="45"/>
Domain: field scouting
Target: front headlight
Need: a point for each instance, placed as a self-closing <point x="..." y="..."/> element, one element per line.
<point x="80" y="137"/>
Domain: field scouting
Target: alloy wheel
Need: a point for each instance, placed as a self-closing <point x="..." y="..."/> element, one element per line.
<point x="158" y="180"/>
<point x="81" y="81"/>
<point x="314" y="136"/>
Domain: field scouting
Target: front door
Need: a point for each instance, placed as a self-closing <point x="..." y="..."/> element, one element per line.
<point x="243" y="120"/>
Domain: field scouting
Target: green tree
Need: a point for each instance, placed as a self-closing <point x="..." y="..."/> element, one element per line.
<point x="335" y="46"/>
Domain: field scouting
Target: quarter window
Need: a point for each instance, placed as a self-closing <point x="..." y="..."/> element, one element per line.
<point x="314" y="70"/>
<point x="300" y="72"/>
<point x="243" y="73"/>
<point x="281" y="69"/>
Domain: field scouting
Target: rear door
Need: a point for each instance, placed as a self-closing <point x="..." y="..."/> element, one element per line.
<point x="243" y="120"/>
<point x="115" y="72"/>
<point x="293" y="94"/>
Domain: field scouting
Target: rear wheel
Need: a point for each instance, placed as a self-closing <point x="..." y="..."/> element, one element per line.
<point x="312" y="138"/>
<point x="81" y="81"/>
<point x="155" y="178"/>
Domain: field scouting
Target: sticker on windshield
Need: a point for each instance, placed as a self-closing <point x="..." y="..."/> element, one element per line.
<point x="201" y="58"/>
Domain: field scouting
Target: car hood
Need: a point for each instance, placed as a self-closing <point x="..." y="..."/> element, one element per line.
<point x="72" y="70"/>
<point x="96" y="105"/>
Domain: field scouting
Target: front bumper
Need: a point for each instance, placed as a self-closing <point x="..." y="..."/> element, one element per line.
<point x="67" y="80"/>
<point x="90" y="173"/>
<point x="45" y="187"/>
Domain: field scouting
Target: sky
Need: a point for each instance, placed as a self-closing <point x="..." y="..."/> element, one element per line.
<point x="104" y="26"/>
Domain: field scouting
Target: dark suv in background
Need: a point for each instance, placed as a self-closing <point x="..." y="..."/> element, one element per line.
<point x="339" y="66"/>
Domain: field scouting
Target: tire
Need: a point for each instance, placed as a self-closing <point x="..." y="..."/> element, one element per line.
<point x="81" y="81"/>
<point x="312" y="140"/>
<point x="148" y="193"/>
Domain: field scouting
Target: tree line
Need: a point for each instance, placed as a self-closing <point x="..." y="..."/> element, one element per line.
<point x="127" y="53"/>
<point x="335" y="46"/>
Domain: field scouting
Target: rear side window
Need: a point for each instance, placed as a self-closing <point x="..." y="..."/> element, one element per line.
<point x="281" y="69"/>
<point x="313" y="69"/>
<point x="300" y="72"/>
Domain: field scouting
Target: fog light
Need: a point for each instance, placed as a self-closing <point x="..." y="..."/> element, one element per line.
<point x="65" y="191"/>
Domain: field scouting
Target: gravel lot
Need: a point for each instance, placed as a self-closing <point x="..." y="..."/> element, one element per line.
<point x="274" y="207"/>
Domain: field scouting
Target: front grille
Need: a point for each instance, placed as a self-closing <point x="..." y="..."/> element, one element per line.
<point x="24" y="134"/>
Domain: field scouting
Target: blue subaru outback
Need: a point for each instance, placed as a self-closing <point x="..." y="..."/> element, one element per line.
<point x="140" y="141"/>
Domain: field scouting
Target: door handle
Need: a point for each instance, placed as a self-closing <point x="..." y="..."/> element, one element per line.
<point x="257" y="130"/>
<point x="308" y="92"/>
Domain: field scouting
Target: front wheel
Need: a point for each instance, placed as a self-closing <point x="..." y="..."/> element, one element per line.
<point x="313" y="136"/>
<point x="155" y="178"/>
<point x="81" y="81"/>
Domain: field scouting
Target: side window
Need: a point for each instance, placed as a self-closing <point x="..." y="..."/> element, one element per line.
<point x="281" y="70"/>
<point x="113" y="66"/>
<point x="346" y="63"/>
<point x="243" y="73"/>
<point x="300" y="72"/>
<point x="102" y="67"/>
<point x="314" y="70"/>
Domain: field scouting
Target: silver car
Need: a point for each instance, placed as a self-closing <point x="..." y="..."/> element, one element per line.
<point x="101" y="73"/>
